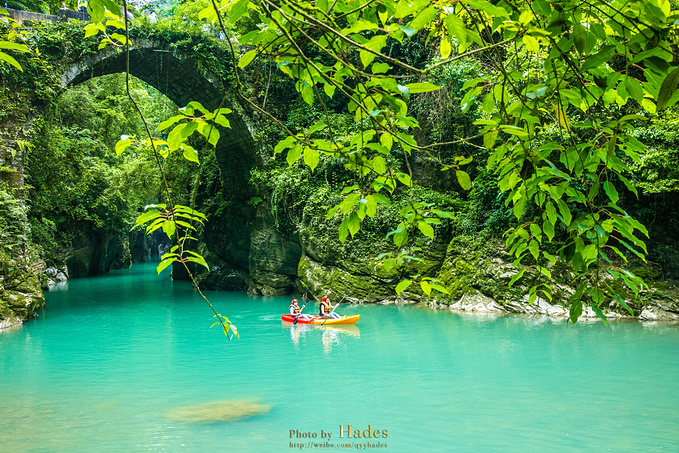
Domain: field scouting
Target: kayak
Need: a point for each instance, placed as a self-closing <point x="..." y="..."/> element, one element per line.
<point x="319" y="320"/>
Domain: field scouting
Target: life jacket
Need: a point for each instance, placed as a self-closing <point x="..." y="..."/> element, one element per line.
<point x="325" y="308"/>
<point x="294" y="307"/>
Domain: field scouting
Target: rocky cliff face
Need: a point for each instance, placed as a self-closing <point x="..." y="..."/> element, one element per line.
<point x="274" y="257"/>
<point x="476" y="274"/>
<point x="94" y="254"/>
<point x="251" y="251"/>
<point x="14" y="133"/>
<point x="20" y="288"/>
<point x="20" y="296"/>
<point x="248" y="253"/>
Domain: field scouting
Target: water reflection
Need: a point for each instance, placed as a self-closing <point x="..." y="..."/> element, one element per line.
<point x="331" y="335"/>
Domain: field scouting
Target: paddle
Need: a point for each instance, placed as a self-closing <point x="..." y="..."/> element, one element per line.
<point x="294" y="322"/>
<point x="333" y="310"/>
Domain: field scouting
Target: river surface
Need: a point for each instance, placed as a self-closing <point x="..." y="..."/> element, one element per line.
<point x="113" y="360"/>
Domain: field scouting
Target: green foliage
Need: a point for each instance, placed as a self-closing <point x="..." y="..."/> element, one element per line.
<point x="52" y="47"/>
<point x="300" y="200"/>
<point x="16" y="253"/>
<point x="8" y="41"/>
<point x="78" y="185"/>
<point x="657" y="170"/>
<point x="179" y="220"/>
<point x="14" y="229"/>
<point x="40" y="6"/>
<point x="560" y="140"/>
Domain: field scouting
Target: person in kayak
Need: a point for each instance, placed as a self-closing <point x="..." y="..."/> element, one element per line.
<point x="295" y="310"/>
<point x="325" y="310"/>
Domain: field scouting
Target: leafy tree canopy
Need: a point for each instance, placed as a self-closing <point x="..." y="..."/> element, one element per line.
<point x="562" y="88"/>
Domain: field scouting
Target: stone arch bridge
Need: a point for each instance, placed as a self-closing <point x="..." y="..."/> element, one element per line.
<point x="178" y="71"/>
<point x="178" y="76"/>
<point x="184" y="67"/>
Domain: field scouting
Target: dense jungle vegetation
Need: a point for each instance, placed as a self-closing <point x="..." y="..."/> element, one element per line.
<point x="543" y="144"/>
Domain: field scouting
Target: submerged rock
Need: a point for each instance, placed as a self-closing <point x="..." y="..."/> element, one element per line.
<point x="218" y="411"/>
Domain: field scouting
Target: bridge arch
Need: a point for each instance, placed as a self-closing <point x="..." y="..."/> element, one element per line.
<point x="179" y="76"/>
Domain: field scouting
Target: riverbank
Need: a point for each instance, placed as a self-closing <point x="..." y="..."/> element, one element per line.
<point x="22" y="303"/>
<point x="654" y="311"/>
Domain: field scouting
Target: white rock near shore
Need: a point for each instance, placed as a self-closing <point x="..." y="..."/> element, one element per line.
<point x="480" y="303"/>
<point x="477" y="303"/>
<point x="657" y="314"/>
<point x="540" y="306"/>
<point x="55" y="275"/>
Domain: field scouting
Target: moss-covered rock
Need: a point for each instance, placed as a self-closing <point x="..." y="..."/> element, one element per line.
<point x="218" y="411"/>
<point x="19" y="299"/>
<point x="118" y="254"/>
<point x="53" y="275"/>
<point x="319" y="279"/>
<point x="471" y="266"/>
<point x="648" y="271"/>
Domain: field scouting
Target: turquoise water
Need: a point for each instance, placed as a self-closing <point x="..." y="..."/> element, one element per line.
<point x="111" y="357"/>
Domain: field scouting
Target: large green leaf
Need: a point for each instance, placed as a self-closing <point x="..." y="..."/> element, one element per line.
<point x="9" y="45"/>
<point x="425" y="17"/>
<point x="354" y="223"/>
<point x="147" y="216"/>
<point x="247" y="58"/>
<point x="169" y="228"/>
<point x="463" y="179"/>
<point x="426" y="229"/>
<point x="164" y="263"/>
<point x="422" y="87"/>
<point x="122" y="144"/>
<point x="238" y="10"/>
<point x="294" y="154"/>
<point x="602" y="56"/>
<point x="190" y="154"/>
<point x="11" y="60"/>
<point x="402" y="286"/>
<point x="611" y="191"/>
<point x="668" y="89"/>
<point x="311" y="157"/>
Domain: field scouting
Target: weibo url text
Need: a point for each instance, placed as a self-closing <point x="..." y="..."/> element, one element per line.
<point x="326" y="444"/>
